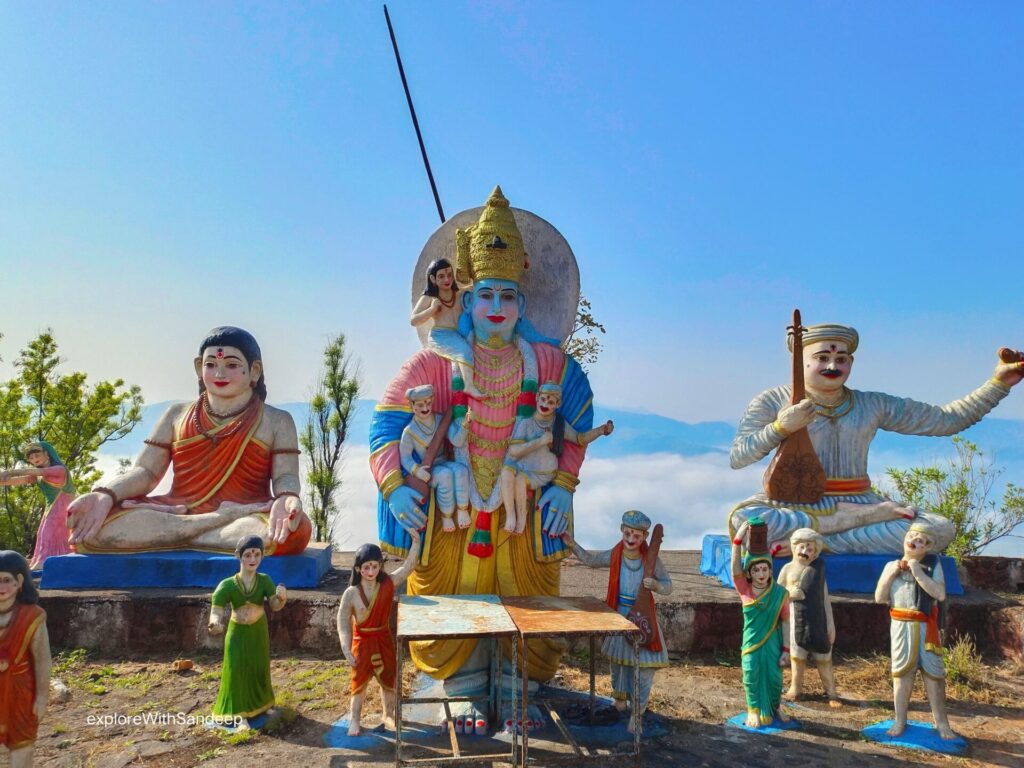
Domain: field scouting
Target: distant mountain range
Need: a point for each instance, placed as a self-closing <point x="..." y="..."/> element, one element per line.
<point x="1002" y="440"/>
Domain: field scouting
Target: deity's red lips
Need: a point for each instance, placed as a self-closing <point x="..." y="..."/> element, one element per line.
<point x="496" y="318"/>
<point x="220" y="383"/>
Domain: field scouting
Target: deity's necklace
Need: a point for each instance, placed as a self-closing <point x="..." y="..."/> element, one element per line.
<point x="448" y="304"/>
<point x="836" y="411"/>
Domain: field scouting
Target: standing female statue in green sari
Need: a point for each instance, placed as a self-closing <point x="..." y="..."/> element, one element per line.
<point x="765" y="626"/>
<point x="245" y="689"/>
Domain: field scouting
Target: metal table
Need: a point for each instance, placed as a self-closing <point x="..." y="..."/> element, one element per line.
<point x="571" y="617"/>
<point x="451" y="617"/>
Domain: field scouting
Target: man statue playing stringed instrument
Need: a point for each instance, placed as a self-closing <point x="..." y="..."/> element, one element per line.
<point x="626" y="564"/>
<point x="842" y="422"/>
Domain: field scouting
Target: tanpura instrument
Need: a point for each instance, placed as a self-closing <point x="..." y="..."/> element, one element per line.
<point x="642" y="613"/>
<point x="795" y="473"/>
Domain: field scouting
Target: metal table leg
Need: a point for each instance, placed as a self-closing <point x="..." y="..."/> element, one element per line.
<point x="593" y="699"/>
<point x="398" y="703"/>
<point x="526" y="701"/>
<point x="636" y="702"/>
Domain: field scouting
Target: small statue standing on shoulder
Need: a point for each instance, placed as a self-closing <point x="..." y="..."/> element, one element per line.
<point x="245" y="689"/>
<point x="629" y="590"/>
<point x="813" y="628"/>
<point x="441" y="303"/>
<point x="24" y="659"/>
<point x="915" y="588"/>
<point x="449" y="479"/>
<point x="534" y="450"/>
<point x="49" y="474"/>
<point x="364" y="627"/>
<point x="765" y="624"/>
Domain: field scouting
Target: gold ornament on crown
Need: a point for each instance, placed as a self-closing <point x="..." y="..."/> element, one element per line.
<point x="492" y="248"/>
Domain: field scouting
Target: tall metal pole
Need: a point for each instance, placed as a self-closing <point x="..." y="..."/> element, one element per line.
<point x="412" y="111"/>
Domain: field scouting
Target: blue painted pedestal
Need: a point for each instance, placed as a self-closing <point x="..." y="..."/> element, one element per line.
<point x="845" y="573"/>
<point x="917" y="735"/>
<point x="179" y="569"/>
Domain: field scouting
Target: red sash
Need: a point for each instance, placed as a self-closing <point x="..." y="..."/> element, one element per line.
<point x="372" y="644"/>
<point x="612" y="598"/>
<point x="18" y="723"/>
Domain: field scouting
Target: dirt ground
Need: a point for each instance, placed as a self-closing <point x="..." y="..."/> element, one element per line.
<point x="696" y="695"/>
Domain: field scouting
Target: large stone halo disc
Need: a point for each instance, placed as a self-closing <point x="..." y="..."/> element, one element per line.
<point x="551" y="284"/>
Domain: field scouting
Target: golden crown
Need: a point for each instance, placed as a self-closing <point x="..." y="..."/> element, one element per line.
<point x="492" y="248"/>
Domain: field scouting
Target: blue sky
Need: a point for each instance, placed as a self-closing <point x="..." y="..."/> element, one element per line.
<point x="168" y="167"/>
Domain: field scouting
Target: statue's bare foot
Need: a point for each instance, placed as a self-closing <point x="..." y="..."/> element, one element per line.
<point x="635" y="724"/>
<point x="896" y="730"/>
<point x="753" y="720"/>
<point x="835" y="702"/>
<point x="171" y="509"/>
<point x="388" y="722"/>
<point x="882" y="512"/>
<point x="620" y="704"/>
<point x="234" y="511"/>
<point x="471" y="390"/>
<point x="781" y="714"/>
<point x="521" y="524"/>
<point x="354" y="728"/>
<point x="946" y="732"/>
<point x="479" y="722"/>
<point x="792" y="695"/>
<point x="462" y="515"/>
<point x="510" y="523"/>
<point x="447" y="524"/>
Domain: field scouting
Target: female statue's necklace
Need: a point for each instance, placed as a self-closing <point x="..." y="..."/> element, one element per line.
<point x="448" y="304"/>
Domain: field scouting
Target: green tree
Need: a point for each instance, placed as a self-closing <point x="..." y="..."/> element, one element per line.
<point x="583" y="343"/>
<point x="330" y="414"/>
<point x="960" y="491"/>
<point x="40" y="403"/>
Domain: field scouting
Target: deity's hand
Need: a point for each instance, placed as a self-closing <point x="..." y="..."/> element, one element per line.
<point x="468" y="418"/>
<point x="547" y="438"/>
<point x="436" y="306"/>
<point x="404" y="504"/>
<point x="281" y="592"/>
<point x="423" y="473"/>
<point x="795" y="593"/>
<point x="567" y="539"/>
<point x="87" y="514"/>
<point x="215" y="627"/>
<point x="559" y="501"/>
<point x="652" y="584"/>
<point x="784" y="659"/>
<point x="39" y="707"/>
<point x="285" y="515"/>
<point x="1009" y="374"/>
<point x="830" y="635"/>
<point x="795" y="417"/>
<point x="349" y="657"/>
<point x="609" y="427"/>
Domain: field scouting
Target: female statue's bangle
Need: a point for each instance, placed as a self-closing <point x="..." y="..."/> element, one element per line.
<point x="108" y="492"/>
<point x="566" y="480"/>
<point x="738" y="541"/>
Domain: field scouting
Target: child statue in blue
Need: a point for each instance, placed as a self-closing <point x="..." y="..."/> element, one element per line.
<point x="625" y="564"/>
<point x="48" y="473"/>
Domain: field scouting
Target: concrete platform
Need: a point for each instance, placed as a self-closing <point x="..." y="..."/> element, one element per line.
<point x="699" y="616"/>
<point x="186" y="568"/>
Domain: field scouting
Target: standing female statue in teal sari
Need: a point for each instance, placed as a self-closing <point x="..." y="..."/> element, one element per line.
<point x="765" y="628"/>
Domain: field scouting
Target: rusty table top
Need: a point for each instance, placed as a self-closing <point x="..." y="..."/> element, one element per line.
<point x="433" y="617"/>
<point x="566" y="616"/>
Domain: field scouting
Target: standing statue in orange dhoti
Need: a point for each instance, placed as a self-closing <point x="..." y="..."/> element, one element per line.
<point x="24" y="659"/>
<point x="509" y="359"/>
<point x="364" y="628"/>
<point x="235" y="461"/>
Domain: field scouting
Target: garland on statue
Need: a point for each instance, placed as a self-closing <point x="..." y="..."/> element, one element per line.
<point x="480" y="544"/>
